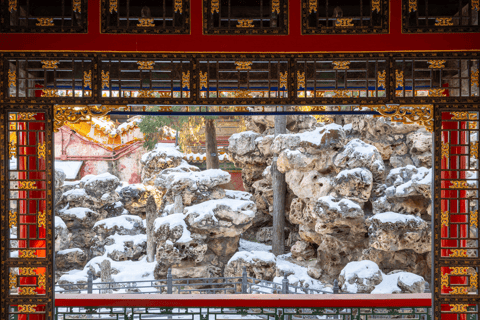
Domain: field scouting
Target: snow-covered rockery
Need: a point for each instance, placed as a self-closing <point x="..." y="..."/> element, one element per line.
<point x="357" y="190"/>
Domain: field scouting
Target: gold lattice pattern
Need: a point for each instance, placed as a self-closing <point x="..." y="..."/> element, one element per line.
<point x="474" y="219"/>
<point x="42" y="219"/>
<point x="436" y="64"/>
<point x="474" y="78"/>
<point x="458" y="271"/>
<point x="464" y="116"/>
<point x="12" y="281"/>
<point x="445" y="150"/>
<point x="12" y="78"/>
<point x="398" y="79"/>
<point x="474" y="280"/>
<point x="27" y="308"/>
<point x="87" y="79"/>
<point x="113" y="5"/>
<point x="12" y="218"/>
<point x="27" y="272"/>
<point x="41" y="150"/>
<point x="145" y="65"/>
<point x="27" y="185"/>
<point x="186" y="80"/>
<point x="283" y="79"/>
<point x="243" y="65"/>
<point x="27" y="254"/>
<point x="444" y="280"/>
<point x="245" y="23"/>
<point x="27" y="116"/>
<point x="12" y="5"/>
<point x="77" y="6"/>
<point x="458" y="253"/>
<point x="458" y="307"/>
<point x="300" y="80"/>
<point x="474" y="149"/>
<point x="381" y="78"/>
<point x="341" y="65"/>
<point x="458" y="290"/>
<point x="436" y="93"/>
<point x="45" y="22"/>
<point x="419" y="114"/>
<point x="203" y="80"/>
<point x="145" y="22"/>
<point x="49" y="64"/>
<point x="312" y="6"/>
<point x="341" y="93"/>
<point x="12" y="149"/>
<point x="215" y="6"/>
<point x="49" y="93"/>
<point x="460" y="184"/>
<point x="27" y="291"/>
<point x="243" y="94"/>
<point x="145" y="94"/>
<point x="476" y="5"/>
<point x="344" y="22"/>
<point x="276" y="6"/>
<point x="179" y="6"/>
<point x="412" y="5"/>
<point x="445" y="218"/>
<point x="105" y="79"/>
<point x="444" y="22"/>
<point x="41" y="280"/>
<point x="376" y="5"/>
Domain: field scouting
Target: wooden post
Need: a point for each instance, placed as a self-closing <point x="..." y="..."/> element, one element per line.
<point x="211" y="144"/>
<point x="151" y="212"/>
<point x="279" y="190"/>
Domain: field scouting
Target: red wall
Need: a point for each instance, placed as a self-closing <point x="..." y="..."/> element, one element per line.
<point x="196" y="42"/>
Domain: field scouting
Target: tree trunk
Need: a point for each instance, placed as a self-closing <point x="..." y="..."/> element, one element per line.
<point x="279" y="191"/>
<point x="211" y="144"/>
<point x="151" y="215"/>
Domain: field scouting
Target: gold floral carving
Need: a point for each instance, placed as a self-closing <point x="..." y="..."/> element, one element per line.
<point x="12" y="281"/>
<point x="474" y="218"/>
<point x="49" y="64"/>
<point x="312" y="6"/>
<point x="45" y="22"/>
<point x="412" y="5"/>
<point x="41" y="150"/>
<point x="464" y="116"/>
<point x="458" y="184"/>
<point x="77" y="6"/>
<point x="445" y="218"/>
<point x="243" y="65"/>
<point x="27" y="272"/>
<point x="444" y="22"/>
<point x="300" y="80"/>
<point x="283" y="80"/>
<point x="27" y="185"/>
<point x="445" y="150"/>
<point x="344" y="22"/>
<point x="444" y="280"/>
<point x="49" y="93"/>
<point x="105" y="79"/>
<point x="12" y="78"/>
<point x="398" y="78"/>
<point x="458" y="308"/>
<point x="436" y="93"/>
<point x="241" y="109"/>
<point x="12" y="150"/>
<point x="458" y="253"/>
<point x="341" y="93"/>
<point x="113" y="5"/>
<point x="320" y="94"/>
<point x="474" y="280"/>
<point x="419" y="114"/>
<point x="27" y="116"/>
<point x="27" y="308"/>
<point x="27" y="254"/>
<point x="458" y="290"/>
<point x="41" y="280"/>
<point x="186" y="79"/>
<point x="75" y="114"/>
<point x="12" y="5"/>
<point x="474" y="149"/>
<point x="476" y="5"/>
<point x="436" y="64"/>
<point x="276" y="6"/>
<point x="87" y="79"/>
<point x="145" y="22"/>
<point x="474" y="78"/>
<point x="203" y="80"/>
<point x="341" y="65"/>
<point x="12" y="218"/>
<point x="27" y="291"/>
<point x="145" y="94"/>
<point x="42" y="219"/>
<point x="381" y="78"/>
<point x="243" y="94"/>
<point x="245" y="23"/>
<point x="145" y="65"/>
<point x="458" y="271"/>
<point x="179" y="6"/>
<point x="376" y="5"/>
<point x="215" y="6"/>
<point x="164" y="95"/>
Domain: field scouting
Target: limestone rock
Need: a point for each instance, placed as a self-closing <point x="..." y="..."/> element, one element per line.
<point x="411" y="283"/>
<point x="303" y="251"/>
<point x="358" y="154"/>
<point x="420" y="145"/>
<point x="59" y="179"/>
<point x="99" y="185"/>
<point x="70" y="259"/>
<point x="360" y="277"/>
<point x="354" y="184"/>
<point x="126" y="247"/>
<point x="62" y="236"/>
<point x="259" y="264"/>
<point x="134" y="198"/>
<point x="123" y="225"/>
<point x="295" y="123"/>
<point x="310" y="184"/>
<point x="162" y="157"/>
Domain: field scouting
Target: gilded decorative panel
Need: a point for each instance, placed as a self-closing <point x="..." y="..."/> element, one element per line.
<point x="146" y="17"/>
<point x="245" y="17"/>
<point x="64" y="16"/>
<point x="444" y="16"/>
<point x="345" y="17"/>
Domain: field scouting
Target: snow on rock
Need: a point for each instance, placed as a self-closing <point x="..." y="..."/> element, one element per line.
<point x="320" y="137"/>
<point x="98" y="185"/>
<point x="62" y="235"/>
<point x="259" y="264"/>
<point x="330" y="209"/>
<point x="400" y="282"/>
<point x="123" y="225"/>
<point x="172" y="228"/>
<point x="408" y="181"/>
<point x="78" y="217"/>
<point x="163" y="156"/>
<point x="221" y="218"/>
<point x="238" y="195"/>
<point x="360" y="277"/>
<point x="125" y="247"/>
<point x="354" y="184"/>
<point x="69" y="259"/>
<point x="358" y="153"/>
<point x="178" y="181"/>
<point x="245" y="245"/>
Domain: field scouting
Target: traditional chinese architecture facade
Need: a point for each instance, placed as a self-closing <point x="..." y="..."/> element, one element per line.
<point x="73" y="60"/>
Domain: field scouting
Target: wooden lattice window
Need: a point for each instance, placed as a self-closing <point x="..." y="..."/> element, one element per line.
<point x="345" y="16"/>
<point x="440" y="16"/>
<point x="245" y="16"/>
<point x="39" y="16"/>
<point x="146" y="16"/>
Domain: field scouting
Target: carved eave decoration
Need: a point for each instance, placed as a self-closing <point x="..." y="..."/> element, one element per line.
<point x="78" y="113"/>
<point x="408" y="114"/>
